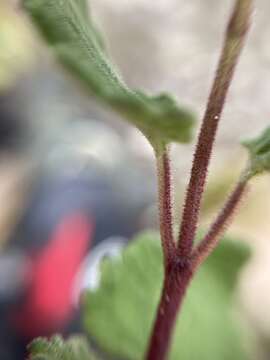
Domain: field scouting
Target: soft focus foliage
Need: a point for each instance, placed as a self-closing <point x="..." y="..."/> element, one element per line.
<point x="259" y="152"/>
<point x="78" y="46"/>
<point x="75" y="348"/>
<point x="120" y="313"/>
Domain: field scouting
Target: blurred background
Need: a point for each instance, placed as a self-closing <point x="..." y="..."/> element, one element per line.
<point x="67" y="165"/>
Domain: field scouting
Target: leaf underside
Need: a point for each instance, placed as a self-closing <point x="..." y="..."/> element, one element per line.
<point x="119" y="314"/>
<point x="69" y="29"/>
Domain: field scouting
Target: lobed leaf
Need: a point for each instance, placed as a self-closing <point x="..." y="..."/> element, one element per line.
<point x="119" y="314"/>
<point x="79" y="47"/>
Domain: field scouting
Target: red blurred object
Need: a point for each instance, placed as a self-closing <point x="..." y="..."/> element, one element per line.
<point x="48" y="306"/>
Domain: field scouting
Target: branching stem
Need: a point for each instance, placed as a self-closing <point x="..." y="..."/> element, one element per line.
<point x="180" y="262"/>
<point x="234" y="40"/>
<point x="218" y="227"/>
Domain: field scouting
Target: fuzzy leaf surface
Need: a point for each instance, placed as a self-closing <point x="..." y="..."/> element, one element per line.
<point x="70" y="31"/>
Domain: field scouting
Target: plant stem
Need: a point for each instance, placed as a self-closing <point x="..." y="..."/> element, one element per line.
<point x="178" y="265"/>
<point x="165" y="203"/>
<point x="234" y="40"/>
<point x="218" y="227"/>
<point x="176" y="281"/>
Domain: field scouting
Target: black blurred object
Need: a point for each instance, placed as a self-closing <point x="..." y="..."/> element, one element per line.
<point x="13" y="128"/>
<point x="67" y="213"/>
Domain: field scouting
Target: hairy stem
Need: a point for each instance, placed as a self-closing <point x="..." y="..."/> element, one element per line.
<point x="234" y="40"/>
<point x="165" y="203"/>
<point x="218" y="227"/>
<point x="176" y="281"/>
<point x="179" y="265"/>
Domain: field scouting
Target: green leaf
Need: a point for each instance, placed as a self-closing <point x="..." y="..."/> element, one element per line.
<point x="120" y="312"/>
<point x="75" y="348"/>
<point x="77" y="45"/>
<point x="259" y="153"/>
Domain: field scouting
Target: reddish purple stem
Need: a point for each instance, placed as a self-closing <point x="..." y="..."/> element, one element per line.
<point x="165" y="204"/>
<point x="234" y="41"/>
<point x="176" y="281"/>
<point x="218" y="227"/>
<point x="178" y="262"/>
